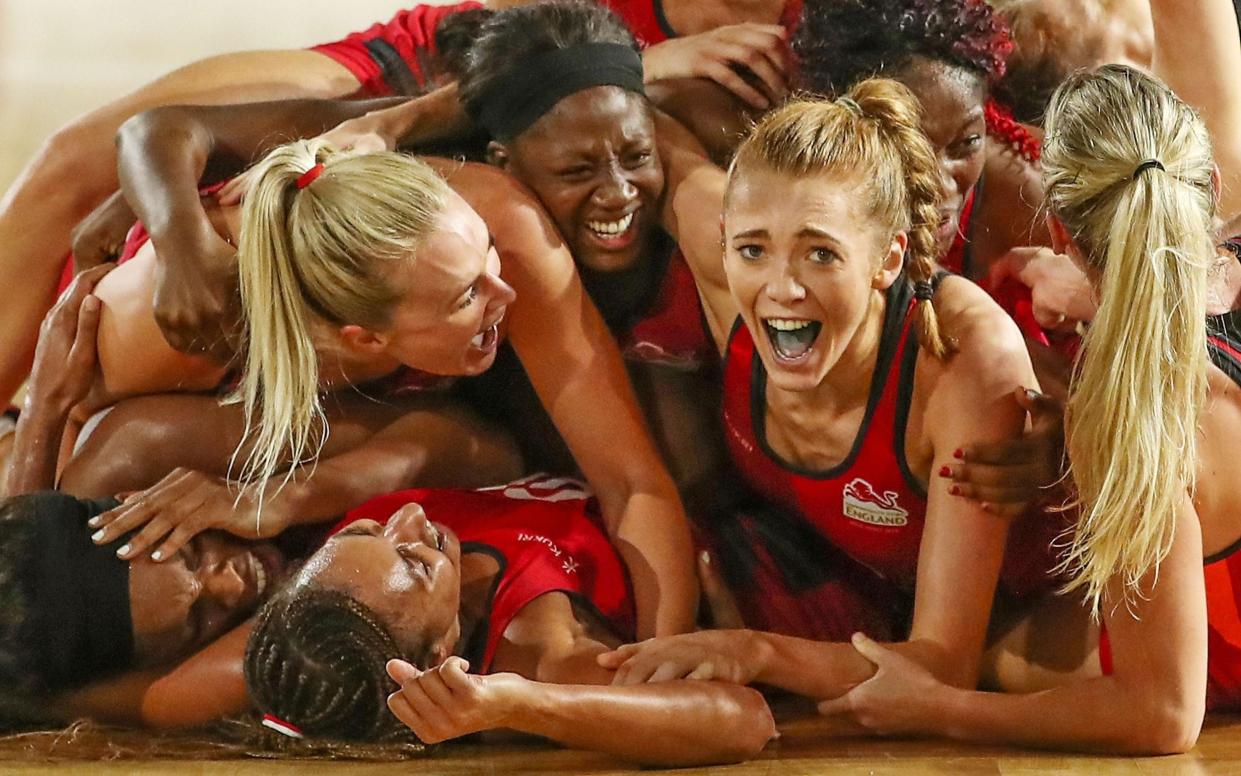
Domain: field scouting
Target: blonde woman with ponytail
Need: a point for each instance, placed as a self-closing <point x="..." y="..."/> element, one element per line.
<point x="852" y="374"/>
<point x="1141" y="640"/>
<point x="358" y="268"/>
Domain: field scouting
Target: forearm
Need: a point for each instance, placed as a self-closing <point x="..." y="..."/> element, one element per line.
<point x="1098" y="715"/>
<point x="652" y="535"/>
<point x="822" y="670"/>
<point x="36" y="444"/>
<point x="436" y="117"/>
<point x="670" y="724"/>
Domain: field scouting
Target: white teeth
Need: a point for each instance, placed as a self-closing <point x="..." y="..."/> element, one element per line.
<point x="786" y="324"/>
<point x="611" y="227"/>
<point x="260" y="578"/>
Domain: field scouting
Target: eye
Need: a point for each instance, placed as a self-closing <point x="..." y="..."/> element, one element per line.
<point x="470" y="295"/>
<point x="823" y="255"/>
<point x="638" y="159"/>
<point x="967" y="145"/>
<point x="750" y="252"/>
<point x="576" y="173"/>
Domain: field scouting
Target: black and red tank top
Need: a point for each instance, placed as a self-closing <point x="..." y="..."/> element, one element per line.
<point x="869" y="505"/>
<point x="649" y="25"/>
<point x="546" y="535"/>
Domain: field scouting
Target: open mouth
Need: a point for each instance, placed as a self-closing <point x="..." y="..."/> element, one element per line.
<point x="792" y="339"/>
<point x="613" y="234"/>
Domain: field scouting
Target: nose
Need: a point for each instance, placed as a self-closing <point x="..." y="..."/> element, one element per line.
<point x="502" y="294"/>
<point x="947" y="183"/>
<point x="785" y="288"/>
<point x="224" y="583"/>
<point x="616" y="191"/>
<point x="409" y="524"/>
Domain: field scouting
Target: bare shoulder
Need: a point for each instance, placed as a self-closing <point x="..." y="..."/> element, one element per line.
<point x="986" y="343"/>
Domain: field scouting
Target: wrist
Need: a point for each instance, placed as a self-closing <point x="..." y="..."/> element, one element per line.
<point x="943" y="705"/>
<point x="519" y="701"/>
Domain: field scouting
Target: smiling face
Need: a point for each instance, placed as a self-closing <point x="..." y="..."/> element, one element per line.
<point x="806" y="264"/>
<point x="952" y="118"/>
<point x="448" y="320"/>
<point x="189" y="600"/>
<point x="407" y="571"/>
<point x="592" y="161"/>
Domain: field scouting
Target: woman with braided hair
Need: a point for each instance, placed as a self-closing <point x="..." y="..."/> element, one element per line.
<point x="1144" y="638"/>
<point x="853" y="372"/>
<point x="518" y="582"/>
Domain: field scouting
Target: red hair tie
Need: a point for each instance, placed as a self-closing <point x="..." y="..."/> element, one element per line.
<point x="277" y="724"/>
<point x="308" y="177"/>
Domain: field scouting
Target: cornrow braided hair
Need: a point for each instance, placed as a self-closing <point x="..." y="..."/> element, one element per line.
<point x="316" y="659"/>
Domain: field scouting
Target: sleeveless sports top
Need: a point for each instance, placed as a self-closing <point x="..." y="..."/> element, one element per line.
<point x="870" y="505"/>
<point x="546" y="535"/>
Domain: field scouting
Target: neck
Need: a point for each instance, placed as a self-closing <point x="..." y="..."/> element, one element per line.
<point x="478" y="574"/>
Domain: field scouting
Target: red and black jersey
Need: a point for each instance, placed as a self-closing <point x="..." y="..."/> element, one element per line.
<point x="650" y="26"/>
<point x="672" y="330"/>
<point x="396" y="56"/>
<point x="870" y="506"/>
<point x="546" y="534"/>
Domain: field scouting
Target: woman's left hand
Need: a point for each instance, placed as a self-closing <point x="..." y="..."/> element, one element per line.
<point x="902" y="696"/>
<point x="181" y="506"/>
<point x="445" y="702"/>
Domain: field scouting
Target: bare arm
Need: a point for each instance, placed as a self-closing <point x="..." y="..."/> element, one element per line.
<point x="1198" y="53"/>
<point x="576" y="369"/>
<point x="559" y="692"/>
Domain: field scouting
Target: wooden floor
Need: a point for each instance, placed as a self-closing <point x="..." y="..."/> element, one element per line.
<point x="803" y="749"/>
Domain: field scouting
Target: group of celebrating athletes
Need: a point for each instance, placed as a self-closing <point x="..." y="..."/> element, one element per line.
<point x="902" y="331"/>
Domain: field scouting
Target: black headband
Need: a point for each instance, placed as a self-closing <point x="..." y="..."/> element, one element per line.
<point x="519" y="98"/>
<point x="80" y="621"/>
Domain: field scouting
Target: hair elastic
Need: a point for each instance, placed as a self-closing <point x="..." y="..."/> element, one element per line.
<point x="1146" y="165"/>
<point x="273" y="722"/>
<point x="308" y="177"/>
<point x="851" y="105"/>
<point x="924" y="290"/>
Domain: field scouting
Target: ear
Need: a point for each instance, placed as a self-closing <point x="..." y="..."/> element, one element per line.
<point x="362" y="340"/>
<point x="1061" y="240"/>
<point x="891" y="262"/>
<point x="498" y="155"/>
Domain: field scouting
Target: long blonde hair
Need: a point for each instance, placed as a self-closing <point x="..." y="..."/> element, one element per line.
<point x="875" y="131"/>
<point x="1127" y="167"/>
<point x="317" y="246"/>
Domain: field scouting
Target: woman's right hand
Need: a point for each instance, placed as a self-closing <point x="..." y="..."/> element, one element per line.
<point x="65" y="364"/>
<point x="724" y="655"/>
<point x="762" y="49"/>
<point x="196" y="301"/>
<point x="100" y="237"/>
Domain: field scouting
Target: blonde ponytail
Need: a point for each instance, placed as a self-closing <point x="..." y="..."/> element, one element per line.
<point x="1128" y="172"/>
<point x="873" y="131"/>
<point x="320" y="233"/>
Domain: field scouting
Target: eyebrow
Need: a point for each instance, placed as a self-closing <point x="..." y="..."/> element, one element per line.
<point x="974" y="115"/>
<point x="811" y="232"/>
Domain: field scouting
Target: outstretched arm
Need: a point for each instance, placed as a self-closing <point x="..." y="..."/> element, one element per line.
<point x="553" y="688"/>
<point x="576" y="369"/>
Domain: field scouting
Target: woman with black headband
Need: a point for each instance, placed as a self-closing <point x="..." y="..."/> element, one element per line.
<point x="854" y="370"/>
<point x="85" y="633"/>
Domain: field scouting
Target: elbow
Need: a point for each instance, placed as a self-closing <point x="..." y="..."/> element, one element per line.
<point x="1173" y="728"/>
<point x="749" y="727"/>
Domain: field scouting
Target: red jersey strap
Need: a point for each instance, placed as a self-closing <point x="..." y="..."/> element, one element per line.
<point x="546" y="535"/>
<point x="673" y="331"/>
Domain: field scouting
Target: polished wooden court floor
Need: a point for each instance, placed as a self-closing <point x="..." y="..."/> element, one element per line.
<point x="804" y="748"/>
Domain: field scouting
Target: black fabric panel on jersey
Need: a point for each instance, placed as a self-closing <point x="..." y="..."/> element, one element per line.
<point x="396" y="74"/>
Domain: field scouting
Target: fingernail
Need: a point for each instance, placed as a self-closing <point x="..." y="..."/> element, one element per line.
<point x="945" y="471"/>
<point x="958" y="453"/>
<point x="954" y="490"/>
<point x="94" y="523"/>
<point x="1031" y="394"/>
<point x="705" y="557"/>
<point x="97" y="535"/>
<point x="124" y="550"/>
<point x="157" y="556"/>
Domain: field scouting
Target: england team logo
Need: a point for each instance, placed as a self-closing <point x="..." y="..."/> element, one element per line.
<point x="863" y="504"/>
